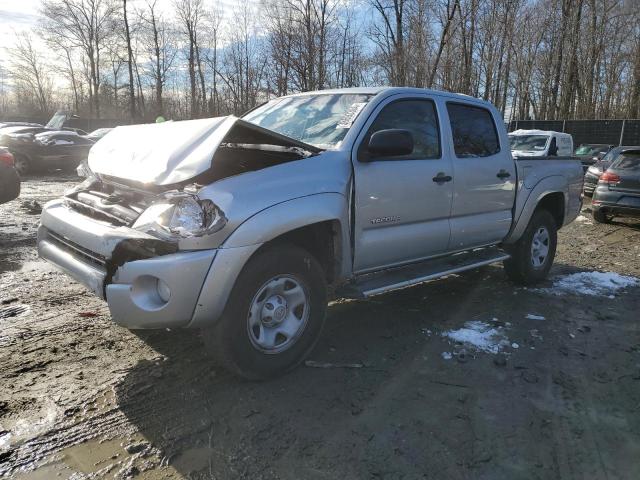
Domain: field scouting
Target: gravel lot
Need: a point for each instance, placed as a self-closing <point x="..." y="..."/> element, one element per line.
<point x="83" y="398"/>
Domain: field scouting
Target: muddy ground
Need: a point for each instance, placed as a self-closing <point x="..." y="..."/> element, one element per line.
<point x="83" y="398"/>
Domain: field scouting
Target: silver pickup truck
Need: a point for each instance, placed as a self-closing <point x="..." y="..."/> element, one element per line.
<point x="246" y="227"/>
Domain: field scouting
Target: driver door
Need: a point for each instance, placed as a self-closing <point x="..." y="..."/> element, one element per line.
<point x="402" y="203"/>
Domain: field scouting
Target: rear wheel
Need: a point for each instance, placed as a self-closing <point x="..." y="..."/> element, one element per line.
<point x="274" y="314"/>
<point x="600" y="216"/>
<point x="532" y="256"/>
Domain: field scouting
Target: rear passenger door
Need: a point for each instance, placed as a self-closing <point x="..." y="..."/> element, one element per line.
<point x="484" y="177"/>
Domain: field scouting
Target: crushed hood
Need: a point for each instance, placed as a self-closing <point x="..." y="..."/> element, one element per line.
<point x="160" y="153"/>
<point x="171" y="153"/>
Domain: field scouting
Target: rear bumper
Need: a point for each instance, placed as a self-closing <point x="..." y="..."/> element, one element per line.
<point x="616" y="209"/>
<point x="614" y="202"/>
<point x="9" y="183"/>
<point x="590" y="183"/>
<point x="157" y="292"/>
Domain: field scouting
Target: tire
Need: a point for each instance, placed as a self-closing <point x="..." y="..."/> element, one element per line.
<point x="524" y="267"/>
<point x="600" y="217"/>
<point x="21" y="164"/>
<point x="249" y="338"/>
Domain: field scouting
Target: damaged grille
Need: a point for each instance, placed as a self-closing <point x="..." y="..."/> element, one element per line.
<point x="116" y="208"/>
<point x="78" y="251"/>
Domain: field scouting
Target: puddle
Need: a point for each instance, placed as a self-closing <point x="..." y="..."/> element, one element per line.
<point x="93" y="455"/>
<point x="108" y="459"/>
<point x="193" y="459"/>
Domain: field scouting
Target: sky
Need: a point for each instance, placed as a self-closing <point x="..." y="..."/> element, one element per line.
<point x="16" y="16"/>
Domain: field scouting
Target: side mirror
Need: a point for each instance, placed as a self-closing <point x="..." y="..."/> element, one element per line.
<point x="390" y="143"/>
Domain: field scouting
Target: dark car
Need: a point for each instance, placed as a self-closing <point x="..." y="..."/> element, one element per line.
<point x="590" y="153"/>
<point x="49" y="150"/>
<point x="593" y="173"/>
<point x="618" y="190"/>
<point x="9" y="179"/>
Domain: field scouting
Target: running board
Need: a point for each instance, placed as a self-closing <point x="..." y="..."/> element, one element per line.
<point x="401" y="277"/>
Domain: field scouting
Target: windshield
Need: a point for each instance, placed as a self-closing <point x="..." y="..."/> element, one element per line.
<point x="57" y="121"/>
<point x="522" y="143"/>
<point x="321" y="120"/>
<point x="611" y="154"/>
<point x="584" y="150"/>
<point x="99" y="133"/>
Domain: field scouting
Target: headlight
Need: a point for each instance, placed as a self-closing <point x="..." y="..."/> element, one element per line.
<point x="181" y="214"/>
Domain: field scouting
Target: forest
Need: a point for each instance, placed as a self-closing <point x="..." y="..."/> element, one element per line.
<point x="136" y="59"/>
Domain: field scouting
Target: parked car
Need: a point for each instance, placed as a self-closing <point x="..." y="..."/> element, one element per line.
<point x="593" y="173"/>
<point x="540" y="143"/>
<point x="618" y="190"/>
<point x="98" y="134"/>
<point x="49" y="150"/>
<point x="9" y="179"/>
<point x="242" y="227"/>
<point x="590" y="153"/>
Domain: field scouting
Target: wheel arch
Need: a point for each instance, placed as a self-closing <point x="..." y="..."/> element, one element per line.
<point x="318" y="223"/>
<point x="550" y="193"/>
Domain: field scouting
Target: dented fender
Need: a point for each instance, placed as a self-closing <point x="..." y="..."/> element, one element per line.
<point x="255" y="232"/>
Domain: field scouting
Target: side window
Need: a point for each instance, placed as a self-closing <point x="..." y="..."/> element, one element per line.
<point x="474" y="133"/>
<point x="417" y="116"/>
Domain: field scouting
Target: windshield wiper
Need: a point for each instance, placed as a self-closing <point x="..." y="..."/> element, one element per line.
<point x="266" y="147"/>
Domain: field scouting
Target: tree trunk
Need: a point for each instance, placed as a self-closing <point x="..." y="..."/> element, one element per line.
<point x="132" y="94"/>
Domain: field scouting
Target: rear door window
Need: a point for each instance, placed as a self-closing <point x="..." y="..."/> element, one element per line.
<point x="627" y="161"/>
<point x="474" y="132"/>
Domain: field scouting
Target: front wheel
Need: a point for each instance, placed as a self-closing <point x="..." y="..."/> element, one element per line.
<point x="532" y="256"/>
<point x="274" y="315"/>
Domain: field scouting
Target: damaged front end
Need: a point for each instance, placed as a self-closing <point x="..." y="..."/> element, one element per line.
<point x="101" y="239"/>
<point x="136" y="232"/>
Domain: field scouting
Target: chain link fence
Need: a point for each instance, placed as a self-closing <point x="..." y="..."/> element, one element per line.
<point x="612" y="132"/>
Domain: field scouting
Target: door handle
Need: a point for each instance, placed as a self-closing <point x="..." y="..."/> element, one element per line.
<point x="442" y="178"/>
<point x="503" y="174"/>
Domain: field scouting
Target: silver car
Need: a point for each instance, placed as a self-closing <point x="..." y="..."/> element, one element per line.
<point x="245" y="227"/>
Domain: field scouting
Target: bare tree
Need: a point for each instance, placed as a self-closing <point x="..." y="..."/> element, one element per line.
<point x="29" y="73"/>
<point x="159" y="43"/>
<point x="127" y="32"/>
<point x="84" y="24"/>
<point x="190" y="13"/>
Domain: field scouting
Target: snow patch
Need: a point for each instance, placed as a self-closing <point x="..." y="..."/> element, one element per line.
<point x="531" y="316"/>
<point x="591" y="283"/>
<point x="447" y="355"/>
<point x="479" y="335"/>
<point x="582" y="218"/>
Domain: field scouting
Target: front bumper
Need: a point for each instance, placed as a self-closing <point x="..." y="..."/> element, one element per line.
<point x="157" y="292"/>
